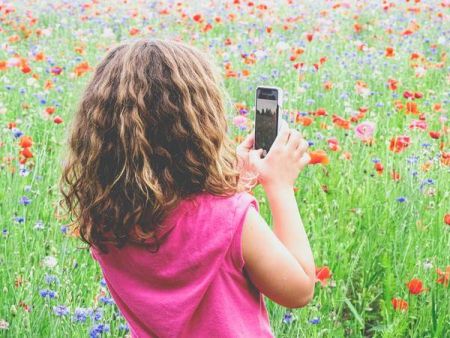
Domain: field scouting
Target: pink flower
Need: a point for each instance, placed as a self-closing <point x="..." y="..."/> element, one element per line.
<point x="364" y="131"/>
<point x="240" y="121"/>
<point x="418" y="124"/>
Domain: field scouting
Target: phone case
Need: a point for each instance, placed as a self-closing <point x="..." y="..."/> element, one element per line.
<point x="280" y="101"/>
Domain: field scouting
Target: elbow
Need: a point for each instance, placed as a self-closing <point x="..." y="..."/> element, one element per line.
<point x="306" y="295"/>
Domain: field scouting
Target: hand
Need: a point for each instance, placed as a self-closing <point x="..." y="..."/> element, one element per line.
<point x="243" y="151"/>
<point x="285" y="159"/>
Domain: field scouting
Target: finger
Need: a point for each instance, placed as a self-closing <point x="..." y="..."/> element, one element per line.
<point x="303" y="146"/>
<point x="283" y="134"/>
<point x="304" y="160"/>
<point x="249" y="140"/>
<point x="254" y="156"/>
<point x="294" y="139"/>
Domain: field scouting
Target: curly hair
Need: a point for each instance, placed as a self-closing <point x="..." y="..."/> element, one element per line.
<point x="149" y="131"/>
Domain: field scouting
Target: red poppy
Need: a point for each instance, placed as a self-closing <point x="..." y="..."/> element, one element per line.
<point x="415" y="286"/>
<point x="58" y="120"/>
<point x="447" y="219"/>
<point x="399" y="143"/>
<point x="390" y="52"/>
<point x="399" y="304"/>
<point x="435" y="134"/>
<point x="341" y="122"/>
<point x="318" y="157"/>
<point x="26" y="142"/>
<point x="333" y="144"/>
<point x="379" y="167"/>
<point x="443" y="277"/>
<point x="323" y="274"/>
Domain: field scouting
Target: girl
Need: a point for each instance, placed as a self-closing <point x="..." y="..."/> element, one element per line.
<point x="156" y="190"/>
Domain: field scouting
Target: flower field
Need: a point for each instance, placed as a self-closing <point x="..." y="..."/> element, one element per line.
<point x="366" y="82"/>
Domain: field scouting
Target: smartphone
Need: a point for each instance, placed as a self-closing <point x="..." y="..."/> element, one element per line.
<point x="267" y="116"/>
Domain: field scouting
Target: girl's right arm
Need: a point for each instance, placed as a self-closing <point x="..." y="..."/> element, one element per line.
<point x="280" y="263"/>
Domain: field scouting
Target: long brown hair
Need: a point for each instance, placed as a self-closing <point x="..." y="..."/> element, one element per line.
<point x="149" y="131"/>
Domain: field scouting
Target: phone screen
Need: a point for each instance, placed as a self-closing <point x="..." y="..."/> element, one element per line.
<point x="266" y="119"/>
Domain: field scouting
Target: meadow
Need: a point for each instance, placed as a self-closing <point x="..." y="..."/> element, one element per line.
<point x="367" y="83"/>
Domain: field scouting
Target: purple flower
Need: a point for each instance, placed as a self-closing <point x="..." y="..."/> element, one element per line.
<point x="49" y="279"/>
<point x="80" y="315"/>
<point x="16" y="132"/>
<point x="107" y="300"/>
<point x="124" y="327"/>
<point x="19" y="219"/>
<point x="315" y="320"/>
<point x="24" y="200"/>
<point x="64" y="229"/>
<point x="288" y="317"/>
<point x="98" y="329"/>
<point x="60" y="310"/>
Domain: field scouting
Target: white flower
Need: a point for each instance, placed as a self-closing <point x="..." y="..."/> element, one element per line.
<point x="49" y="262"/>
<point x="427" y="265"/>
<point x="4" y="325"/>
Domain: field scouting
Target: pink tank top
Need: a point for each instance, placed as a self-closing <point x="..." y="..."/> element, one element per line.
<point x="196" y="284"/>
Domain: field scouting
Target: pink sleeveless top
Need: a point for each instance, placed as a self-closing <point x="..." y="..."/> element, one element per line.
<point x="196" y="284"/>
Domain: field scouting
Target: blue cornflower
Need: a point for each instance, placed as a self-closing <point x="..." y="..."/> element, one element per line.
<point x="98" y="329"/>
<point x="80" y="315"/>
<point x="23" y="171"/>
<point x="124" y="327"/>
<point x="107" y="300"/>
<point x="24" y="200"/>
<point x="315" y="320"/>
<point x="4" y="232"/>
<point x="64" y="229"/>
<point x="60" y="310"/>
<point x="401" y="199"/>
<point x="376" y="160"/>
<point x="27" y="188"/>
<point x="412" y="159"/>
<point x="47" y="293"/>
<point x="288" y="317"/>
<point x="19" y="219"/>
<point x="16" y="132"/>
<point x="97" y="314"/>
<point x="39" y="225"/>
<point x="42" y="101"/>
<point x="103" y="282"/>
<point x="310" y="143"/>
<point x="49" y="279"/>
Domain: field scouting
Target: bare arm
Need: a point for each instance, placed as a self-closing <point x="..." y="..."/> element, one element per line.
<point x="280" y="263"/>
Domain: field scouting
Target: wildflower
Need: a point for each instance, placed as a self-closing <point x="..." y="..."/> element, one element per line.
<point x="399" y="143"/>
<point x="447" y="219"/>
<point x="98" y="329"/>
<point x="315" y="320"/>
<point x="49" y="262"/>
<point x="443" y="276"/>
<point x="60" y="310"/>
<point x="401" y="199"/>
<point x="106" y="300"/>
<point x="318" y="157"/>
<point x="39" y="225"/>
<point x="323" y="274"/>
<point x="415" y="286"/>
<point x="4" y="325"/>
<point x="364" y="131"/>
<point x="288" y="317"/>
<point x="124" y="327"/>
<point x="49" y="279"/>
<point x="399" y="304"/>
<point x="16" y="133"/>
<point x="19" y="219"/>
<point x="80" y="315"/>
<point x="5" y="232"/>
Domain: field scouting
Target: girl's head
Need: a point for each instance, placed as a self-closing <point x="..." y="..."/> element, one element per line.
<point x="150" y="129"/>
